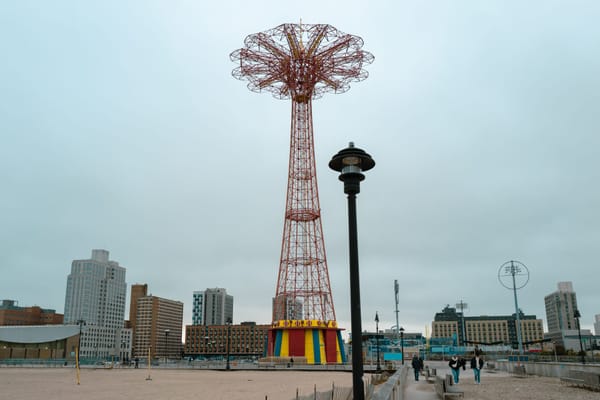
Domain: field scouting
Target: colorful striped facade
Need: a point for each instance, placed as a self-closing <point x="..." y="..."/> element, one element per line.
<point x="317" y="342"/>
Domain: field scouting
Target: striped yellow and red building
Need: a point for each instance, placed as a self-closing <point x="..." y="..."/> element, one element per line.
<point x="319" y="342"/>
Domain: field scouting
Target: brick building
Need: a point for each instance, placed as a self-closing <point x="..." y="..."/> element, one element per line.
<point x="158" y="327"/>
<point x="485" y="328"/>
<point x="246" y="340"/>
<point x="13" y="315"/>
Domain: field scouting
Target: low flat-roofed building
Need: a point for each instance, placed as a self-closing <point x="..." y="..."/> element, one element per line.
<point x="487" y="329"/>
<point x="11" y="314"/>
<point x="246" y="340"/>
<point x="46" y="342"/>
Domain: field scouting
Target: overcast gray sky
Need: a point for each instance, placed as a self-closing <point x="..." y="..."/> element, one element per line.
<point x="123" y="129"/>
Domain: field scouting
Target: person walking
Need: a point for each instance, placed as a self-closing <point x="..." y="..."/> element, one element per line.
<point x="476" y="365"/>
<point x="417" y="365"/>
<point x="455" y="365"/>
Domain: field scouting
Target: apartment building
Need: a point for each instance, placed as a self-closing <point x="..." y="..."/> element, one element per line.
<point x="212" y="307"/>
<point x="158" y="328"/>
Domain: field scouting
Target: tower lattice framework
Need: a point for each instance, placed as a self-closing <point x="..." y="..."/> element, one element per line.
<point x="301" y="62"/>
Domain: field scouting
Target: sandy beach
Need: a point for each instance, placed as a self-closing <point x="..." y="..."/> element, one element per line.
<point x="131" y="384"/>
<point x="173" y="384"/>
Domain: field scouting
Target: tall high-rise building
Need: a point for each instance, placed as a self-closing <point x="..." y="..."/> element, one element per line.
<point x="597" y="325"/>
<point x="198" y="308"/>
<point x="560" y="316"/>
<point x="95" y="297"/>
<point x="560" y="308"/>
<point x="96" y="291"/>
<point x="212" y="307"/>
<point x="288" y="307"/>
<point x="137" y="291"/>
<point x="158" y="327"/>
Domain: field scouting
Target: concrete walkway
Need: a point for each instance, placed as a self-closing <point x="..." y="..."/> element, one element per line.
<point x="423" y="390"/>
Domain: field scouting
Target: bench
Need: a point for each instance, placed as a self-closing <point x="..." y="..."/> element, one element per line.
<point x="430" y="373"/>
<point x="571" y="381"/>
<point x="443" y="390"/>
<point x="592" y="381"/>
<point x="588" y="380"/>
<point x="519" y="371"/>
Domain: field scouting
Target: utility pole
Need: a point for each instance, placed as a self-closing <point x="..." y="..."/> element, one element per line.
<point x="396" y="290"/>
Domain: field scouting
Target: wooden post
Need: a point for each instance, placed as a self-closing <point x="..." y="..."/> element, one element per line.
<point x="77" y="362"/>
<point x="149" y="378"/>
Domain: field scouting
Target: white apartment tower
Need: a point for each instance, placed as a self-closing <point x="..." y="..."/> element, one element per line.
<point x="212" y="307"/>
<point x="285" y="307"/>
<point x="560" y="308"/>
<point x="95" y="295"/>
<point x="560" y="316"/>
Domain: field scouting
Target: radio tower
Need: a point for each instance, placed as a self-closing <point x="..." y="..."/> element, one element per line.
<point x="301" y="62"/>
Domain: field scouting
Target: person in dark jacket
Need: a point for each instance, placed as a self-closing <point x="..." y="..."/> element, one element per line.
<point x="476" y="365"/>
<point x="455" y="363"/>
<point x="417" y="364"/>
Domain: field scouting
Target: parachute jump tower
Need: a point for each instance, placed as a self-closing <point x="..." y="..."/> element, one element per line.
<point x="301" y="62"/>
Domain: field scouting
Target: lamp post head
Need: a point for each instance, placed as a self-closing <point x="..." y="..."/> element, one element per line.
<point x="351" y="162"/>
<point x="576" y="314"/>
<point x="401" y="331"/>
<point x="376" y="317"/>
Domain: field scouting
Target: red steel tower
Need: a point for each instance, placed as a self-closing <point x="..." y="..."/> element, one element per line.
<point x="302" y="62"/>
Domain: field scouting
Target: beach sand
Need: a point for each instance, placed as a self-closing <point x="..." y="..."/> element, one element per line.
<point x="131" y="384"/>
<point x="173" y="384"/>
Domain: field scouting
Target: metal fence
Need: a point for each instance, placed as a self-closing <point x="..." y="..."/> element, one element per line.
<point x="29" y="363"/>
<point x="335" y="393"/>
<point x="377" y="387"/>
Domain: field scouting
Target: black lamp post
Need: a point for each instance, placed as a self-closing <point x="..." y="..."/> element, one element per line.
<point x="167" y="331"/>
<point x="351" y="162"/>
<point x="81" y="323"/>
<point x="577" y="315"/>
<point x="402" y="343"/>
<point x="123" y="354"/>
<point x="377" y="339"/>
<point x="228" y="323"/>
